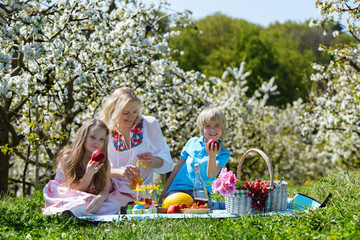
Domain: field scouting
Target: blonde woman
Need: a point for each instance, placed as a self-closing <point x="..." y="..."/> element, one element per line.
<point x="81" y="186"/>
<point x="133" y="137"/>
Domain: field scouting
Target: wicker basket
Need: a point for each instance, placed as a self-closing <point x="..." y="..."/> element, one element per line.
<point x="240" y="201"/>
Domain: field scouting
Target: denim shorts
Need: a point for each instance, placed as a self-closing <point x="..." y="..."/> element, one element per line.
<point x="213" y="205"/>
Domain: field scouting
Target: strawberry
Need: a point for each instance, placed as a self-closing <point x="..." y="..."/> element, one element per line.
<point x="195" y="206"/>
<point x="202" y="206"/>
<point x="182" y="205"/>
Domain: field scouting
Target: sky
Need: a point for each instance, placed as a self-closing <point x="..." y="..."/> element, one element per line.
<point x="262" y="12"/>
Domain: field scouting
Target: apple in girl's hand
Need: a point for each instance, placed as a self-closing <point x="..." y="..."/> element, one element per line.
<point x="174" y="209"/>
<point x="213" y="142"/>
<point x="98" y="156"/>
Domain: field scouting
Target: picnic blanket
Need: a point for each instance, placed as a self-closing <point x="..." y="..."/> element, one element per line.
<point x="299" y="202"/>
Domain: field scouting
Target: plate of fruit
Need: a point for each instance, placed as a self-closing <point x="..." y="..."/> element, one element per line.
<point x="161" y="209"/>
<point x="196" y="209"/>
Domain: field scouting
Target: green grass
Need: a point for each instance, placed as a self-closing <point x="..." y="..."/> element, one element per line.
<point x="22" y="219"/>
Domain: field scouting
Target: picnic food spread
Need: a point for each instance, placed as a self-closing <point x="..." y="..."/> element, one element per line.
<point x="178" y="198"/>
<point x="175" y="203"/>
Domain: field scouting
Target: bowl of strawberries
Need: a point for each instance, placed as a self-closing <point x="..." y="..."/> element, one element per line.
<point x="196" y="209"/>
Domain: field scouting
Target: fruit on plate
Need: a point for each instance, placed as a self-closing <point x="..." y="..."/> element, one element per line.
<point x="177" y="198"/>
<point x="174" y="208"/>
<point x="194" y="206"/>
<point x="98" y="156"/>
<point x="182" y="205"/>
<point x="213" y="142"/>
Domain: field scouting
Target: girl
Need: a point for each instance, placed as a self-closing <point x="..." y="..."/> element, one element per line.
<point x="211" y="124"/>
<point x="133" y="138"/>
<point x="81" y="185"/>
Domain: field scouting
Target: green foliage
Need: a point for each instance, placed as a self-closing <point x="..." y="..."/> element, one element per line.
<point x="21" y="218"/>
<point x="284" y="51"/>
<point x="296" y="49"/>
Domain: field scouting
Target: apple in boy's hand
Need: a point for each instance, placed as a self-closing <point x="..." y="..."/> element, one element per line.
<point x="98" y="156"/>
<point x="212" y="142"/>
<point x="174" y="209"/>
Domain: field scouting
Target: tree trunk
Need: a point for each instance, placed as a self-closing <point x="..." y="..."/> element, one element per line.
<point x="4" y="172"/>
<point x="4" y="159"/>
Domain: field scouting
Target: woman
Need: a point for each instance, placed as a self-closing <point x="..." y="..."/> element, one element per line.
<point x="133" y="138"/>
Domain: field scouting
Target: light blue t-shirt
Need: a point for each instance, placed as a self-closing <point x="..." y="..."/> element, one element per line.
<point x="194" y="152"/>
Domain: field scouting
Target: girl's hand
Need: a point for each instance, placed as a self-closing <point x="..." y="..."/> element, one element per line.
<point x="131" y="172"/>
<point x="93" y="167"/>
<point x="95" y="204"/>
<point x="212" y="149"/>
<point x="149" y="160"/>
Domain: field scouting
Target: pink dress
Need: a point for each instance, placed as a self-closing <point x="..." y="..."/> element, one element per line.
<point x="59" y="198"/>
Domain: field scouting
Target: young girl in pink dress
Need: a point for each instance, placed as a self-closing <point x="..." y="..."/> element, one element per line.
<point x="81" y="186"/>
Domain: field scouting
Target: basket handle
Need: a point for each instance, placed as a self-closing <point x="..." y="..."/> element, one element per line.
<point x="263" y="155"/>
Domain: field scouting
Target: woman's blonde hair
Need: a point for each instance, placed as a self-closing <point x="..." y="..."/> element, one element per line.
<point x="211" y="114"/>
<point x="73" y="155"/>
<point x="116" y="103"/>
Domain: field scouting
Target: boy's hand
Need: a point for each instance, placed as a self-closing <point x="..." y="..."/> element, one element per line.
<point x="212" y="149"/>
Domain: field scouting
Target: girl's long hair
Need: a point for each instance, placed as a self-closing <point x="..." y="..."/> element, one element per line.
<point x="73" y="155"/>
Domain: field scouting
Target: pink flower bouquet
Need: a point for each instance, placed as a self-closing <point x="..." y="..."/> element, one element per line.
<point x="225" y="184"/>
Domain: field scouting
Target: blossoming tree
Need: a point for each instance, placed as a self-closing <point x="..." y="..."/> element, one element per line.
<point x="60" y="59"/>
<point x="334" y="113"/>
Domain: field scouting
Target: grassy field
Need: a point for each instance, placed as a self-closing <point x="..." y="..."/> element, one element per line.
<point x="22" y="219"/>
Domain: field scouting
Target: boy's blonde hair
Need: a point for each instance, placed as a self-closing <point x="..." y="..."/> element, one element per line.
<point x="211" y="114"/>
<point x="116" y="103"/>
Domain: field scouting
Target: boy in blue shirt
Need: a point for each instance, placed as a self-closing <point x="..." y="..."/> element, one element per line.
<point x="211" y="124"/>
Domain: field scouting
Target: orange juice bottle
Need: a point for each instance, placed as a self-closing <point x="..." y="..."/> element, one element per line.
<point x="133" y="185"/>
<point x="139" y="181"/>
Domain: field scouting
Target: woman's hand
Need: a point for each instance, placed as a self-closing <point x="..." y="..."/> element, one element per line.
<point x="149" y="160"/>
<point x="131" y="172"/>
<point x="95" y="204"/>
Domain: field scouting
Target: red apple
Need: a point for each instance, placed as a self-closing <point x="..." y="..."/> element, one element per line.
<point x="213" y="142"/>
<point x="98" y="156"/>
<point x="174" y="209"/>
